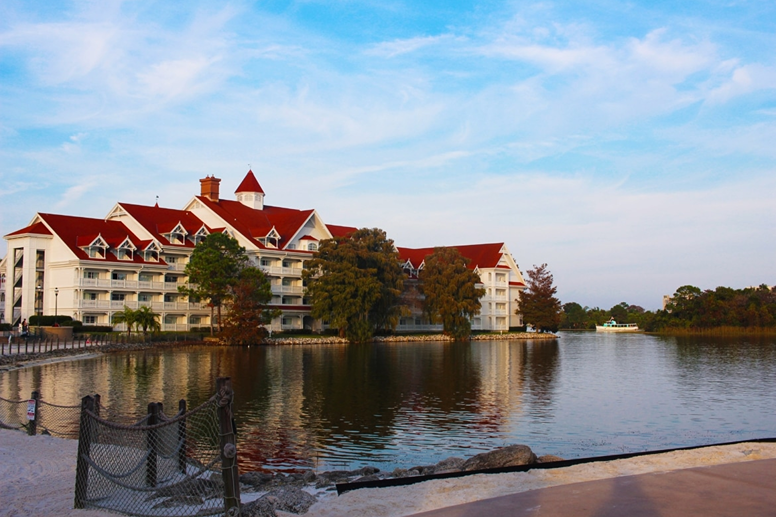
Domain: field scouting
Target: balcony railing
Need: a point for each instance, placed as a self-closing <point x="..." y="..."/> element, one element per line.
<point x="135" y="304"/>
<point x="277" y="270"/>
<point x="288" y="289"/>
<point x="144" y="285"/>
<point x="177" y="266"/>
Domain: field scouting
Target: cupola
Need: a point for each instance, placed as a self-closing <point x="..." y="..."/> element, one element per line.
<point x="250" y="193"/>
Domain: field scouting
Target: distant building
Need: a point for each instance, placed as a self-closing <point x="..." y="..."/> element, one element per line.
<point x="90" y="269"/>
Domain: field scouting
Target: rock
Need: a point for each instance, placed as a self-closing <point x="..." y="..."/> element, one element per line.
<point x="548" y="458"/>
<point x="286" y="499"/>
<point x="510" y="456"/>
<point x="370" y="477"/>
<point x="399" y="473"/>
<point x="449" y="465"/>
<point x="424" y="470"/>
<point x="255" y="479"/>
<point x="365" y="471"/>
<point x="309" y="476"/>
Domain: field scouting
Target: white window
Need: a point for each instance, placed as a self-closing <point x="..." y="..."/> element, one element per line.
<point x="291" y="246"/>
<point x="171" y="260"/>
<point x="266" y="262"/>
<point x="117" y="297"/>
<point x="90" y="296"/>
<point x="90" y="320"/>
<point x="287" y="320"/>
<point x="172" y="279"/>
<point x="125" y="254"/>
<point x="118" y="275"/>
<point x="144" y="297"/>
<point x="96" y="252"/>
<point x="91" y="274"/>
<point x="312" y="247"/>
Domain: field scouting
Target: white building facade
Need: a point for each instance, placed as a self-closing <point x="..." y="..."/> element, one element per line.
<point x="90" y="269"/>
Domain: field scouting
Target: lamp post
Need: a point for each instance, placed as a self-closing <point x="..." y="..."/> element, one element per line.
<point x="56" y="302"/>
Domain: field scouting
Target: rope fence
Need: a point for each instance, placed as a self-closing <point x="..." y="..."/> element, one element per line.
<point x="33" y="344"/>
<point x="160" y="465"/>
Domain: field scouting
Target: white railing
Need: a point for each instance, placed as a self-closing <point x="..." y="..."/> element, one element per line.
<point x="177" y="266"/>
<point x="292" y="289"/>
<point x="134" y="304"/>
<point x="131" y="284"/>
<point x="180" y="327"/>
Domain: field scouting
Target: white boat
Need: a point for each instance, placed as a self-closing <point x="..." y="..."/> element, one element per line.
<point x="613" y="326"/>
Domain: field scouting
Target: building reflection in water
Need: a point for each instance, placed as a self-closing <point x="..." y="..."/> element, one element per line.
<point x="332" y="406"/>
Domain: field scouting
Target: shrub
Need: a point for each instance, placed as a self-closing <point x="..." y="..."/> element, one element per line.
<point x="92" y="329"/>
<point x="48" y="321"/>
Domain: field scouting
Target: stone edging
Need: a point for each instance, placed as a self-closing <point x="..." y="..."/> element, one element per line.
<point x="510" y="336"/>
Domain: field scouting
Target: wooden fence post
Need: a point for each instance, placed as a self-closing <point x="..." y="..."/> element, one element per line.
<point x="84" y="449"/>
<point x="182" y="437"/>
<point x="151" y="443"/>
<point x="33" y="427"/>
<point x="229" y="471"/>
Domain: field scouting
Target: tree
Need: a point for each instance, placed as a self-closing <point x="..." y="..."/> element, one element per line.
<point x="213" y="269"/>
<point x="127" y="316"/>
<point x="355" y="283"/>
<point x="539" y="306"/>
<point x="246" y="309"/>
<point x="146" y="319"/>
<point x="450" y="291"/>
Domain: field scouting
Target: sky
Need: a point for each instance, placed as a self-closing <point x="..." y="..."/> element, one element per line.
<point x="631" y="146"/>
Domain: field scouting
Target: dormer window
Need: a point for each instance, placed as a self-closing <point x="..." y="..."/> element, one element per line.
<point x="178" y="235"/>
<point x="291" y="247"/>
<point x="151" y="253"/>
<point x="125" y="250"/>
<point x="312" y="246"/>
<point x="200" y="236"/>
<point x="97" y="249"/>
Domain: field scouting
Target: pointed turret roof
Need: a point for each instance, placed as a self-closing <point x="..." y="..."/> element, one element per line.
<point x="249" y="184"/>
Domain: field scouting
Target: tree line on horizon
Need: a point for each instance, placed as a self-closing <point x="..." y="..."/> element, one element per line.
<point x="690" y="308"/>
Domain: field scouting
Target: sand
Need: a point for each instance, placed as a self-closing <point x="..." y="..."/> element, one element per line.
<point x="37" y="476"/>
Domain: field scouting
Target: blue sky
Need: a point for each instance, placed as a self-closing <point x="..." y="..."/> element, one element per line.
<point x="629" y="145"/>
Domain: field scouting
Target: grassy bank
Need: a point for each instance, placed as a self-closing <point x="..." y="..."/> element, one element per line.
<point x="720" y="331"/>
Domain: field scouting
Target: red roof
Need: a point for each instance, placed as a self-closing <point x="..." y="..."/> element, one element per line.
<point x="479" y="255"/>
<point x="249" y="184"/>
<point x="308" y="238"/>
<point x="518" y="284"/>
<point x="340" y="231"/>
<point x="254" y="224"/>
<point x="163" y="220"/>
<point x="77" y="230"/>
<point x="37" y="228"/>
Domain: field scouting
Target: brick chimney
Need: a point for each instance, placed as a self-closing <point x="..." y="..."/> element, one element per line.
<point x="210" y="187"/>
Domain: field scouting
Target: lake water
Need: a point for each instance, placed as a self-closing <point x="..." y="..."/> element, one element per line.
<point x="406" y="404"/>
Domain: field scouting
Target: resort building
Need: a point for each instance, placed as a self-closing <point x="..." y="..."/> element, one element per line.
<point x="90" y="269"/>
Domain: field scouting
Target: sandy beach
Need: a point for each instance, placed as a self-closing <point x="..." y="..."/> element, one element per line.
<point x="38" y="476"/>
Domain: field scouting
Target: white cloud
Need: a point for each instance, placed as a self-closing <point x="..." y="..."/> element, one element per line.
<point x="404" y="46"/>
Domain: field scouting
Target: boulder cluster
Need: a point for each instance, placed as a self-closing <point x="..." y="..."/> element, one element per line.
<point x="292" y="492"/>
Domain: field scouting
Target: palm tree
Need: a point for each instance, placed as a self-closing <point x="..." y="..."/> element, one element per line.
<point x="146" y="319"/>
<point x="127" y="316"/>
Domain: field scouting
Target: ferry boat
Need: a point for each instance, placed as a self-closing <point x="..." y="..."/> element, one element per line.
<point x="613" y="326"/>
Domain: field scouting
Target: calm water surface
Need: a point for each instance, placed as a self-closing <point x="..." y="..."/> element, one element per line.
<point x="406" y="404"/>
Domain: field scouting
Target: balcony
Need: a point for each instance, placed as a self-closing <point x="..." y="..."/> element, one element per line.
<point x="282" y="271"/>
<point x="287" y="289"/>
<point x="143" y="285"/>
<point x="177" y="266"/>
<point x="116" y="305"/>
<point x="175" y="327"/>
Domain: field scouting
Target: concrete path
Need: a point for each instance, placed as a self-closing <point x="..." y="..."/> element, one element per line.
<point x="745" y="489"/>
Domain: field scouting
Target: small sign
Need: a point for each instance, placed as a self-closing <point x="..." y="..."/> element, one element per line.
<point x="31" y="409"/>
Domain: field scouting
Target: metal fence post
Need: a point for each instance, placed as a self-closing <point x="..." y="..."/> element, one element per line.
<point x="84" y="448"/>
<point x="151" y="443"/>
<point x="229" y="469"/>
<point x="33" y="427"/>
<point x="182" y="437"/>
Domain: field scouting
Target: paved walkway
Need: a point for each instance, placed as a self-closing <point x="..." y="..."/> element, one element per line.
<point x="745" y="489"/>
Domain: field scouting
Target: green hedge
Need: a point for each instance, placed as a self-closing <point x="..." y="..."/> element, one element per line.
<point x="48" y="321"/>
<point x="5" y="326"/>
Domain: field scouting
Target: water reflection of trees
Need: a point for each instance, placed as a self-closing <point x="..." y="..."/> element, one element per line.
<point x="540" y="371"/>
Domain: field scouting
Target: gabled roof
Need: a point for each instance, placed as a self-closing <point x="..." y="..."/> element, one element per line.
<point x="479" y="255"/>
<point x="254" y="224"/>
<point x="37" y="229"/>
<point x="340" y="231"/>
<point x="75" y="231"/>
<point x="249" y="184"/>
<point x="159" y="221"/>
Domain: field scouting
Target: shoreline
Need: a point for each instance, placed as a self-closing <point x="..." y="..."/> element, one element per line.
<point x="18" y="361"/>
<point x="38" y="474"/>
